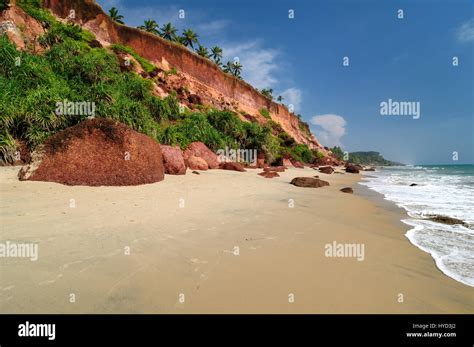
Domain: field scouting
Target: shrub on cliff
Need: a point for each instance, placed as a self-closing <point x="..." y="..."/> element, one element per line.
<point x="220" y="129"/>
<point x="338" y="152"/>
<point x="145" y="64"/>
<point x="197" y="128"/>
<point x="286" y="139"/>
<point x="227" y="123"/>
<point x="166" y="109"/>
<point x="60" y="32"/>
<point x="317" y="154"/>
<point x="302" y="153"/>
<point x="3" y="4"/>
<point x="265" y="113"/>
<point x="35" y="10"/>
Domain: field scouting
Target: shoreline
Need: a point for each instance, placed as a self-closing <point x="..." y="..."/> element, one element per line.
<point x="413" y="225"/>
<point x="192" y="250"/>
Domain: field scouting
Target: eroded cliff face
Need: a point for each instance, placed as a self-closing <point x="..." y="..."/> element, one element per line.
<point x="197" y="74"/>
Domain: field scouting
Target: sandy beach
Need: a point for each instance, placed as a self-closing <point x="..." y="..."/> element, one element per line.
<point x="218" y="242"/>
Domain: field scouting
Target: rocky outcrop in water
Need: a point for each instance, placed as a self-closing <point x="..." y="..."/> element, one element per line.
<point x="446" y="220"/>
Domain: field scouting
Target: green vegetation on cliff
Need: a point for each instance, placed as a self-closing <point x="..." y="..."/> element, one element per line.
<point x="71" y="69"/>
<point x="145" y="64"/>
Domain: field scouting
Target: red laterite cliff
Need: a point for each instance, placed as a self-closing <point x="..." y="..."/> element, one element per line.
<point x="198" y="75"/>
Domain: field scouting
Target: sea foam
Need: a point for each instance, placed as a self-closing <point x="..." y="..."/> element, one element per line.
<point x="440" y="190"/>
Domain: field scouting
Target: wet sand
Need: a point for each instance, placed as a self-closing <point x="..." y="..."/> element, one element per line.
<point x="219" y="242"/>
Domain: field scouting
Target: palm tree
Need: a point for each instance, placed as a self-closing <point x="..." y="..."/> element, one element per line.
<point x="168" y="32"/>
<point x="113" y="13"/>
<point x="216" y="54"/>
<point x="236" y="69"/>
<point x="189" y="38"/>
<point x="202" y="51"/>
<point x="151" y="26"/>
<point x="228" y="67"/>
<point x="267" y="92"/>
<point x="179" y="40"/>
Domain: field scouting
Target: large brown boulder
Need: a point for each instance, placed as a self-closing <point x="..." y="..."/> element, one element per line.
<point x="232" y="166"/>
<point x="260" y="160"/>
<point x="269" y="174"/>
<point x="326" y="169"/>
<point x="327" y="160"/>
<point x="308" y="182"/>
<point x="353" y="168"/>
<point x="97" y="152"/>
<point x="347" y="190"/>
<point x="199" y="149"/>
<point x="196" y="163"/>
<point x="297" y="164"/>
<point x="287" y="162"/>
<point x="275" y="169"/>
<point x="173" y="160"/>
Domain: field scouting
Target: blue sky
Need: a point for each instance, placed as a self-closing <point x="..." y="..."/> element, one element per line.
<point x="409" y="59"/>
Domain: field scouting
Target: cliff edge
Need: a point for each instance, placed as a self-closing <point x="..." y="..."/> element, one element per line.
<point x="196" y="75"/>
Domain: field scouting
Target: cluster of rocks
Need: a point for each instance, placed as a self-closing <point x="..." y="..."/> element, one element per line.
<point x="349" y="168"/>
<point x="272" y="171"/>
<point x="327" y="161"/>
<point x="290" y="162"/>
<point x="103" y="152"/>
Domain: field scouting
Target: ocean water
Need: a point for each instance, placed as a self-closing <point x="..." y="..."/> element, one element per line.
<point x="441" y="190"/>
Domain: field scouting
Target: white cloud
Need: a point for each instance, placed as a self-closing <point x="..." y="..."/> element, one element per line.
<point x="330" y="129"/>
<point x="465" y="33"/>
<point x="292" y="96"/>
<point x="259" y="64"/>
<point x="211" y="28"/>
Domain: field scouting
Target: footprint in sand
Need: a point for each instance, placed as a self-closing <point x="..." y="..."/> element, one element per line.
<point x="197" y="261"/>
<point x="44" y="283"/>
